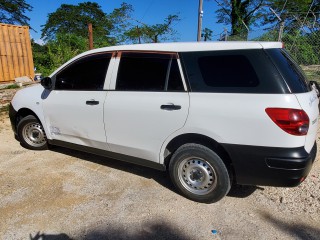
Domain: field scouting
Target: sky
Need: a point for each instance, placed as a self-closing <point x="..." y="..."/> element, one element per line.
<point x="147" y="11"/>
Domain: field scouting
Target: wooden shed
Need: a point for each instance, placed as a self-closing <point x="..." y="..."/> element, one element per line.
<point x="15" y="52"/>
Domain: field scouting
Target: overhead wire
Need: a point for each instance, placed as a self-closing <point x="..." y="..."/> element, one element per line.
<point x="147" y="10"/>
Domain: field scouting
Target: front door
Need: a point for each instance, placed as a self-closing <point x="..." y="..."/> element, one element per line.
<point x="74" y="108"/>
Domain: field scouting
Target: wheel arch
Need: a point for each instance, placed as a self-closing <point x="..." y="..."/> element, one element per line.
<point x="23" y="112"/>
<point x="206" y="141"/>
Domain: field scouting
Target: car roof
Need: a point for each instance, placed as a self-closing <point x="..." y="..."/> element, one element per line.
<point x="181" y="47"/>
<point x="190" y="46"/>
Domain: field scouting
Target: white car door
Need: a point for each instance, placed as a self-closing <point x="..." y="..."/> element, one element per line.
<point x="73" y="110"/>
<point x="147" y="102"/>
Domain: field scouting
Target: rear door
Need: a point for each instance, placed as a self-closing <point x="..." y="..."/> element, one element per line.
<point x="147" y="102"/>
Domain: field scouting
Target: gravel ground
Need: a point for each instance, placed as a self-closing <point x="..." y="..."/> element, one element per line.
<point x="65" y="194"/>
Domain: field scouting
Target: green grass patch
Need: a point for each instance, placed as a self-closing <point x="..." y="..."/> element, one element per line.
<point x="313" y="75"/>
<point x="12" y="86"/>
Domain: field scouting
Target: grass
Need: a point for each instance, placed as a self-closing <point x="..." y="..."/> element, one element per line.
<point x="12" y="86"/>
<point x="313" y="73"/>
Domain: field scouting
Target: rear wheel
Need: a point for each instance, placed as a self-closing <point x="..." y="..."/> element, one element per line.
<point x="199" y="173"/>
<point x="31" y="133"/>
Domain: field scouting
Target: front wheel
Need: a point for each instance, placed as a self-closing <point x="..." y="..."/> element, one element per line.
<point x="199" y="173"/>
<point x="31" y="133"/>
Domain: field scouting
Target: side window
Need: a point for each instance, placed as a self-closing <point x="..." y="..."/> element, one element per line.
<point x="290" y="70"/>
<point x="232" y="71"/>
<point x="85" y="74"/>
<point x="148" y="72"/>
<point x="227" y="71"/>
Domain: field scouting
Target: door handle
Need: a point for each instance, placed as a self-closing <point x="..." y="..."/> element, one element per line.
<point x="170" y="107"/>
<point x="92" y="102"/>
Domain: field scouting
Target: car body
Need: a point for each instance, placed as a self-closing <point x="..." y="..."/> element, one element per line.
<point x="208" y="112"/>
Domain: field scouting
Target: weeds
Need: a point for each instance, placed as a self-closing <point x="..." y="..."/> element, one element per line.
<point x="12" y="86"/>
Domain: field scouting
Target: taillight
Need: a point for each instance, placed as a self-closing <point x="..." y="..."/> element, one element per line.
<point x="292" y="121"/>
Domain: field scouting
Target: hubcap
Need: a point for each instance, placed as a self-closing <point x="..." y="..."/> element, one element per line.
<point x="34" y="135"/>
<point x="197" y="175"/>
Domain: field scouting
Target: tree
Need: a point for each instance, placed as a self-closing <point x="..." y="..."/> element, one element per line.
<point x="154" y="33"/>
<point x="74" y="19"/>
<point x="206" y="34"/>
<point x="294" y="13"/>
<point x="107" y="28"/>
<point x="57" y="51"/>
<point x="121" y="21"/>
<point x="241" y="14"/>
<point x="13" y="11"/>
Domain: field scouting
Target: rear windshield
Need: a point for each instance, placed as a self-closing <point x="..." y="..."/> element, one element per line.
<point x="290" y="70"/>
<point x="232" y="71"/>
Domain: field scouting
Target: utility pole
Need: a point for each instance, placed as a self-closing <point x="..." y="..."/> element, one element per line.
<point x="90" y="34"/>
<point x="200" y="15"/>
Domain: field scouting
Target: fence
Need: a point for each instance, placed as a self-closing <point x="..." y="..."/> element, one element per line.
<point x="302" y="43"/>
<point x="15" y="52"/>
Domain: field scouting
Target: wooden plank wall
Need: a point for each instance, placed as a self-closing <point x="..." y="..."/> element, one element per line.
<point x="15" y="52"/>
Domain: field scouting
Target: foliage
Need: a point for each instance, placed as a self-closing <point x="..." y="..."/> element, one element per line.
<point x="57" y="51"/>
<point x="13" y="11"/>
<point x="121" y="21"/>
<point x="12" y="86"/>
<point x="293" y="13"/>
<point x="154" y="33"/>
<point x="74" y="19"/>
<point x="240" y="14"/>
<point x="66" y="32"/>
<point x="206" y="34"/>
<point x="304" y="48"/>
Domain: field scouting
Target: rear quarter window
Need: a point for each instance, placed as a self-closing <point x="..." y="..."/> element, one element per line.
<point x="290" y="70"/>
<point x="216" y="71"/>
<point x="232" y="71"/>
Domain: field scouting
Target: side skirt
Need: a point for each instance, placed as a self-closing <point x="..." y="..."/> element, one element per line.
<point x="104" y="153"/>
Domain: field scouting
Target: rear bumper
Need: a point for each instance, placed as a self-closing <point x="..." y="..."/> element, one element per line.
<point x="269" y="166"/>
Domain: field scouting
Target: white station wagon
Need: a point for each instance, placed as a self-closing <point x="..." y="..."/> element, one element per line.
<point x="209" y="113"/>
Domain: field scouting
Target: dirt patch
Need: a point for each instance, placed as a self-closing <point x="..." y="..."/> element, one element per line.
<point x="63" y="194"/>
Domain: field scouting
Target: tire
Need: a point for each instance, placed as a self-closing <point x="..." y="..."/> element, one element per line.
<point x="31" y="133"/>
<point x="199" y="173"/>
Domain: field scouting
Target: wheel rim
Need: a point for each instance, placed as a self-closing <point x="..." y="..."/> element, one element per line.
<point x="34" y="135"/>
<point x="197" y="175"/>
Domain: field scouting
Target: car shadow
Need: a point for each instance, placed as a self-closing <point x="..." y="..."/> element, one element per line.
<point x="162" y="177"/>
<point x="298" y="230"/>
<point x="242" y="191"/>
<point x="152" y="230"/>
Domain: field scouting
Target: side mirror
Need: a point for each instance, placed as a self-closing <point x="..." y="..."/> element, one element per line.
<point x="46" y="82"/>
